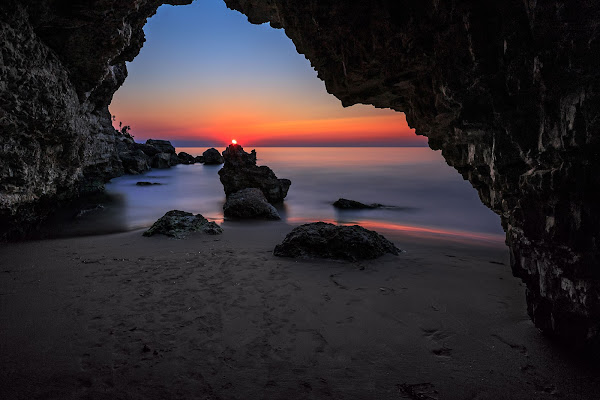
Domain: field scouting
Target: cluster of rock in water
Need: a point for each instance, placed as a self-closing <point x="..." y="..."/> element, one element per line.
<point x="251" y="191"/>
<point x="140" y="157"/>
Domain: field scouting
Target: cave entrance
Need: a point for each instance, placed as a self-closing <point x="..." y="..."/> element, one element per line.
<point x="206" y="76"/>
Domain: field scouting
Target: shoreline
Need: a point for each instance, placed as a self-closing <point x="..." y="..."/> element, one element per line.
<point x="64" y="223"/>
<point x="219" y="317"/>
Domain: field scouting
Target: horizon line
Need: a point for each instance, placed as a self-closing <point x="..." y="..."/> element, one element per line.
<point x="179" y="144"/>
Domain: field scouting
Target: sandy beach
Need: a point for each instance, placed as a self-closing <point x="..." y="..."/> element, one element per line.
<point x="123" y="316"/>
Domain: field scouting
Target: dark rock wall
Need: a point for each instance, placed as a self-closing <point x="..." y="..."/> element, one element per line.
<point x="508" y="90"/>
<point x="60" y="64"/>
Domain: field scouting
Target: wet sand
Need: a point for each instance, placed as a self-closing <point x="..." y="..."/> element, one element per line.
<point x="122" y="316"/>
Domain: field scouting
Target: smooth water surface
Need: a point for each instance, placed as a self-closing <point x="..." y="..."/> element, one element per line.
<point x="425" y="195"/>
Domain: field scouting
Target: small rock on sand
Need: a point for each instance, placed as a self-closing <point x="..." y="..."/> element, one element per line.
<point x="177" y="224"/>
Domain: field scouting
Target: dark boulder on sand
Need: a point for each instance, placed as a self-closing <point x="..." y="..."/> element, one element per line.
<point x="212" y="157"/>
<point x="323" y="240"/>
<point x="249" y="203"/>
<point x="240" y="172"/>
<point x="178" y="224"/>
<point x="346" y="204"/>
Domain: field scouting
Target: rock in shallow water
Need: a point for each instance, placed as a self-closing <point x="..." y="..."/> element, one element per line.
<point x="185" y="158"/>
<point x="178" y="224"/>
<point x="144" y="183"/>
<point x="249" y="203"/>
<point x="346" y="204"/>
<point x="240" y="172"/>
<point x="162" y="146"/>
<point x="212" y="157"/>
<point x="323" y="240"/>
<point x="134" y="161"/>
<point x="139" y="157"/>
<point x="164" y="160"/>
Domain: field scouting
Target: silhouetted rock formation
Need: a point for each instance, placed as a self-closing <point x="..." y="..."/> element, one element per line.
<point x="134" y="161"/>
<point x="240" y="172"/>
<point x="508" y="90"/>
<point x="178" y="224"/>
<point x="185" y="158"/>
<point x="249" y="203"/>
<point x="138" y="157"/>
<point x="162" y="146"/>
<point x="164" y="157"/>
<point x="346" y="204"/>
<point x="212" y="157"/>
<point x="323" y="240"/>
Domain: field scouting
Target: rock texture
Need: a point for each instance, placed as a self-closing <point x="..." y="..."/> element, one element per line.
<point x="346" y="204"/>
<point x="212" y="157"/>
<point x="507" y="90"/>
<point x="249" y="203"/>
<point x="178" y="224"/>
<point x="140" y="157"/>
<point x="323" y="240"/>
<point x="186" y="158"/>
<point x="240" y="172"/>
<point x="60" y="63"/>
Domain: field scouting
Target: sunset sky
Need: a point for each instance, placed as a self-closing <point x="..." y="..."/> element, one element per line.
<point x="206" y="76"/>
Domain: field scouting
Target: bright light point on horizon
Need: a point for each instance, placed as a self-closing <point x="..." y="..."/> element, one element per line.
<point x="234" y="141"/>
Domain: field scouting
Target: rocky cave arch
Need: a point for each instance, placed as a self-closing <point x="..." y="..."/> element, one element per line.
<point x="507" y="90"/>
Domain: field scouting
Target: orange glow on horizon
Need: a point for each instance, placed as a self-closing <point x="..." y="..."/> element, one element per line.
<point x="264" y="130"/>
<point x="249" y="85"/>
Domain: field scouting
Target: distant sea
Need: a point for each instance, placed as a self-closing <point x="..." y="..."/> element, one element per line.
<point x="425" y="195"/>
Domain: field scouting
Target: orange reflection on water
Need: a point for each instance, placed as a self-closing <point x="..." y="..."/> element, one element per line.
<point x="456" y="235"/>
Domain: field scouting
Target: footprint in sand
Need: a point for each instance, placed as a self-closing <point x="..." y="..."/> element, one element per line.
<point x="437" y="337"/>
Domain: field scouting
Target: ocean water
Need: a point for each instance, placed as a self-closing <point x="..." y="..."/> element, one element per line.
<point x="425" y="195"/>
